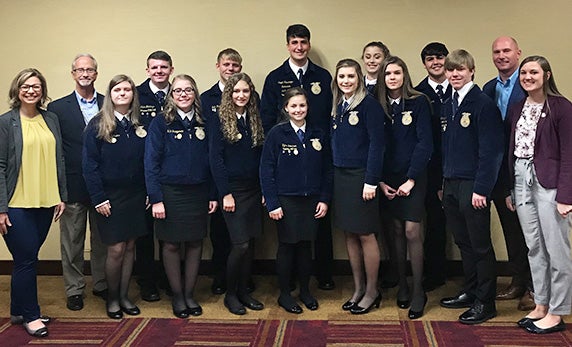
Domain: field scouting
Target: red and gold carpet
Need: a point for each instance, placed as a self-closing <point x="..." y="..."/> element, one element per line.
<point x="158" y="332"/>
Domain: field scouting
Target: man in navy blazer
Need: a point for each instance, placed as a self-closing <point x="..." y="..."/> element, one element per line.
<point x="506" y="90"/>
<point x="74" y="112"/>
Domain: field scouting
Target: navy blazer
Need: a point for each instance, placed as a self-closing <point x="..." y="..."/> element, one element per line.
<point x="11" y="144"/>
<point x="232" y="161"/>
<point x="473" y="141"/>
<point x="72" y="125"/>
<point x="210" y="102"/>
<point x="517" y="94"/>
<point x="290" y="167"/>
<point x="408" y="139"/>
<point x="552" y="146"/>
<point x="112" y="164"/>
<point x="149" y="104"/>
<point x="360" y="145"/>
<point x="317" y="81"/>
<point x="175" y="155"/>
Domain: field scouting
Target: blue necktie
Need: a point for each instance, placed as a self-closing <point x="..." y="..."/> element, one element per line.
<point x="455" y="103"/>
<point x="300" y="134"/>
<point x="124" y="122"/>
<point x="440" y="93"/>
<point x="186" y="123"/>
<point x="160" y="97"/>
<point x="300" y="75"/>
<point x="345" y="107"/>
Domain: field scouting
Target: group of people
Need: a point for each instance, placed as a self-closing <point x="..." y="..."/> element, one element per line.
<point x="155" y="160"/>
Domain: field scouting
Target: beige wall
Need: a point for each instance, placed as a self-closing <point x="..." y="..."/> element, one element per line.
<point x="120" y="34"/>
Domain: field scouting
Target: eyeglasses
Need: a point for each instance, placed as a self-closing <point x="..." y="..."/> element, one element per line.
<point x="179" y="91"/>
<point x="81" y="71"/>
<point x="35" y="87"/>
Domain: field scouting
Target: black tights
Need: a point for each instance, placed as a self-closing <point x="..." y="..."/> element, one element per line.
<point x="182" y="292"/>
<point x="118" y="268"/>
<point x="239" y="268"/>
<point x="408" y="235"/>
<point x="294" y="258"/>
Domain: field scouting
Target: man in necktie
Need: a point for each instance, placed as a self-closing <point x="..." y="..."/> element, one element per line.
<point x="74" y="112"/>
<point x="299" y="70"/>
<point x="152" y="93"/>
<point x="437" y="88"/>
<point x="473" y="148"/>
<point x="506" y="90"/>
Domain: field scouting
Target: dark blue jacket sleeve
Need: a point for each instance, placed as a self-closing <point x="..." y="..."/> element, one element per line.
<point x="491" y="148"/>
<point x="424" y="147"/>
<point x="268" y="164"/>
<point x="216" y="157"/>
<point x="91" y="160"/>
<point x="375" y="130"/>
<point x="269" y="113"/>
<point x="154" y="151"/>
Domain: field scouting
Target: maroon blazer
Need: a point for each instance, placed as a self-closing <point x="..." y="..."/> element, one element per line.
<point x="552" y="146"/>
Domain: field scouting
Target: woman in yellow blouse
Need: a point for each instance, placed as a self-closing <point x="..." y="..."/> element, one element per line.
<point x="32" y="190"/>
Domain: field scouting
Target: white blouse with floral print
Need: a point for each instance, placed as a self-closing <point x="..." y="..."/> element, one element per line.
<point x="526" y="130"/>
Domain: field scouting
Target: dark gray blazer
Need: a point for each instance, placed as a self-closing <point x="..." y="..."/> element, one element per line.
<point x="11" y="154"/>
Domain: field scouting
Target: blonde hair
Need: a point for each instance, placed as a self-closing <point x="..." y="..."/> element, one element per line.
<point x="106" y="118"/>
<point x="227" y="112"/>
<point x="360" y="93"/>
<point x="170" y="109"/>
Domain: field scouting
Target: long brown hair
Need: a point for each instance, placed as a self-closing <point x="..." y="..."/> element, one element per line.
<point x="106" y="119"/>
<point x="407" y="91"/>
<point x="227" y="112"/>
<point x="170" y="109"/>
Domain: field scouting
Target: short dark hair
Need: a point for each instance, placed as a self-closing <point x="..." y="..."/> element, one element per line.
<point x="434" y="48"/>
<point x="297" y="30"/>
<point x="160" y="55"/>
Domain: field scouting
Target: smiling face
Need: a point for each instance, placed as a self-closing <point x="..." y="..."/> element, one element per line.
<point x="297" y="109"/>
<point x="227" y="67"/>
<point x="84" y="71"/>
<point x="533" y="77"/>
<point x="347" y="80"/>
<point x="122" y="96"/>
<point x="372" y="58"/>
<point x="506" y="55"/>
<point x="30" y="92"/>
<point x="183" y="94"/>
<point x="240" y="95"/>
<point x="159" y="71"/>
<point x="435" y="66"/>
<point x="394" y="80"/>
<point x="299" y="47"/>
<point x="459" y="76"/>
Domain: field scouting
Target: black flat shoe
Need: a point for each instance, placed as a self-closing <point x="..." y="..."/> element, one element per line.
<point x="403" y="303"/>
<point x="115" y="315"/>
<point x="251" y="302"/>
<point x="234" y="306"/>
<point x="295" y="308"/>
<point x="133" y="311"/>
<point x="523" y="322"/>
<point x="41" y="332"/>
<point x="357" y="309"/>
<point x="417" y="314"/>
<point x="184" y="313"/>
<point x="533" y="328"/>
<point x="348" y="305"/>
<point x="19" y="320"/>
<point x="195" y="311"/>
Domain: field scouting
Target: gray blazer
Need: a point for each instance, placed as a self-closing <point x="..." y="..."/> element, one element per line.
<point x="11" y="154"/>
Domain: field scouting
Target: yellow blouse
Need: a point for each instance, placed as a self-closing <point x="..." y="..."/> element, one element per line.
<point x="37" y="184"/>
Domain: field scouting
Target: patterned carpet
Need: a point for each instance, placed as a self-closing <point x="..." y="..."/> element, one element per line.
<point x="229" y="333"/>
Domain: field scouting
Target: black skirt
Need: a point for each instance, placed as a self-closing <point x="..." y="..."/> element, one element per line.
<point x="127" y="219"/>
<point x="245" y="222"/>
<point x="351" y="213"/>
<point x="298" y="223"/>
<point x="406" y="208"/>
<point x="186" y="213"/>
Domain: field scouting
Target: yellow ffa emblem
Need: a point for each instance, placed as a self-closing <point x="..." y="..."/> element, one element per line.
<point x="316" y="89"/>
<point x="113" y="140"/>
<point x="406" y="118"/>
<point x="179" y="136"/>
<point x="239" y="136"/>
<point x="353" y="119"/>
<point x="316" y="144"/>
<point x="140" y="132"/>
<point x="465" y="120"/>
<point x="200" y="133"/>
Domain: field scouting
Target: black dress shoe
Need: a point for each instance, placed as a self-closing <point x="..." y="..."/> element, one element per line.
<point x="115" y="314"/>
<point x="290" y="307"/>
<point x="250" y="302"/>
<point x="523" y="322"/>
<point x="75" y="302"/>
<point x="348" y="305"/>
<point x="460" y="301"/>
<point x="310" y="302"/>
<point x="150" y="293"/>
<point x="403" y="303"/>
<point x="328" y="284"/>
<point x="357" y="309"/>
<point x="234" y="306"/>
<point x="195" y="311"/>
<point x="418" y="314"/>
<point x="100" y="293"/>
<point x="41" y="332"/>
<point x="478" y="313"/>
<point x="18" y="320"/>
<point x="533" y="328"/>
<point x="132" y="311"/>
<point x="219" y="286"/>
<point x="184" y="313"/>
<point x="430" y="283"/>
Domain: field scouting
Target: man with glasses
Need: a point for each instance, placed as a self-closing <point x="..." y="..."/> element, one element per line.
<point x="152" y="93"/>
<point x="74" y="112"/>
